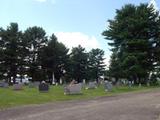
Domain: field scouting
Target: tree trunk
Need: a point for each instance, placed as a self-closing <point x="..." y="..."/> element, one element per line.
<point x="136" y="81"/>
<point x="14" y="79"/>
<point x="21" y="78"/>
<point x="116" y="79"/>
<point x="139" y="80"/>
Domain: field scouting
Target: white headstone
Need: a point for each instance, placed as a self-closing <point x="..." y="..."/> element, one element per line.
<point x="61" y="82"/>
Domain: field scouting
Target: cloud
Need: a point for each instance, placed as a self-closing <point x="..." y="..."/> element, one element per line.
<point x="107" y="61"/>
<point x="73" y="39"/>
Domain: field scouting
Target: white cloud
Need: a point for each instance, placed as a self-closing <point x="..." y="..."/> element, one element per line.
<point x="73" y="39"/>
<point x="106" y="61"/>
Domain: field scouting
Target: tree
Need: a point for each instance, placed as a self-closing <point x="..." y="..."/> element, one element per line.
<point x="79" y="60"/>
<point x="10" y="39"/>
<point x="115" y="67"/>
<point x="53" y="59"/>
<point x="36" y="39"/>
<point x="2" y="48"/>
<point x="96" y="64"/>
<point x="133" y="32"/>
<point x="23" y="57"/>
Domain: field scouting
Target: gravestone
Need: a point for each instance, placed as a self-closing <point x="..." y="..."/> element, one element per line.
<point x="31" y="85"/>
<point x="108" y="86"/>
<point x="43" y="87"/>
<point x="17" y="86"/>
<point x="119" y="83"/>
<point x="82" y="84"/>
<point x="36" y="83"/>
<point x="1" y="84"/>
<point x="73" y="89"/>
<point x="148" y="84"/>
<point x="129" y="84"/>
<point x="4" y="84"/>
<point x="61" y="81"/>
<point x="92" y="85"/>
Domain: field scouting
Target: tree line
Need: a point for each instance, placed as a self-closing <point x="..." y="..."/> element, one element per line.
<point x="134" y="37"/>
<point x="43" y="57"/>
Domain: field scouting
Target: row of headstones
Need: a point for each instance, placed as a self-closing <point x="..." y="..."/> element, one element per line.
<point x="45" y="87"/>
<point x="70" y="89"/>
<point x="76" y="88"/>
<point x="42" y="86"/>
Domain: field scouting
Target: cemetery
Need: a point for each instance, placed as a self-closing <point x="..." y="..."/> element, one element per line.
<point x="21" y="94"/>
<point x="72" y="69"/>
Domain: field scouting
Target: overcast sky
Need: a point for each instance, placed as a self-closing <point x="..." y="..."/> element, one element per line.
<point x="73" y="21"/>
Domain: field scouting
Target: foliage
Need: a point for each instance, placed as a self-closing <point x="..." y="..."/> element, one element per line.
<point x="11" y="51"/>
<point x="36" y="39"/>
<point x="133" y="34"/>
<point x="31" y="53"/>
<point x="96" y="64"/>
<point x="78" y="63"/>
<point x="54" y="58"/>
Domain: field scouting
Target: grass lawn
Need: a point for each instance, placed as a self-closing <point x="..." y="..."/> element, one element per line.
<point x="10" y="98"/>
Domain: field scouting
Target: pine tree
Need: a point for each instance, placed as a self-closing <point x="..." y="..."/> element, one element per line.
<point x="96" y="64"/>
<point x="79" y="60"/>
<point x="36" y="39"/>
<point x="53" y="59"/>
<point x="133" y="32"/>
<point x="10" y="49"/>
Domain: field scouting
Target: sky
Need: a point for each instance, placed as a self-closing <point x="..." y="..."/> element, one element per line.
<point x="74" y="22"/>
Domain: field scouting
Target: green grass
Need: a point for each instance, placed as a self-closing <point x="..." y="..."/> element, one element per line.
<point x="10" y="98"/>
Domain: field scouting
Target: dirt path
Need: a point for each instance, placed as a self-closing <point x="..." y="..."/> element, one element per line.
<point x="133" y="106"/>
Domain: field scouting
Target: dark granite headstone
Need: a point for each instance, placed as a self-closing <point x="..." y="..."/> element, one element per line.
<point x="43" y="87"/>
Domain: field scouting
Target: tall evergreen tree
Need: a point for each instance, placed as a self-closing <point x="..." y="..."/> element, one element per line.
<point x="96" y="64"/>
<point x="79" y="60"/>
<point x="10" y="49"/>
<point x="2" y="49"/>
<point x="132" y="33"/>
<point x="36" y="39"/>
<point x="53" y="59"/>
<point x="115" y="68"/>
